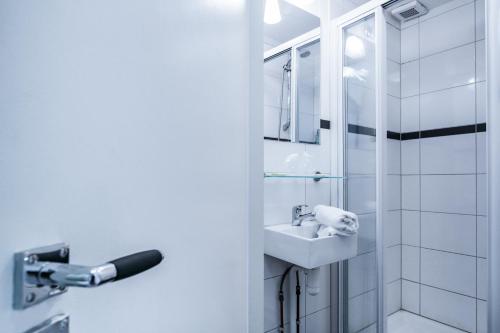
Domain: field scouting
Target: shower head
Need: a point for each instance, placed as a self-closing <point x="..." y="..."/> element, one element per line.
<point x="288" y="66"/>
<point x="305" y="54"/>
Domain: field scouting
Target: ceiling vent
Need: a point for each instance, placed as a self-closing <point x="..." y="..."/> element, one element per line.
<point x="409" y="11"/>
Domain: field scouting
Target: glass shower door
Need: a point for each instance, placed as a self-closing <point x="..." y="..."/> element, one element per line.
<point x="359" y="108"/>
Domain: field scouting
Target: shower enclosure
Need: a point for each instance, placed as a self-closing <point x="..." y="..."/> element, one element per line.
<point x="411" y="123"/>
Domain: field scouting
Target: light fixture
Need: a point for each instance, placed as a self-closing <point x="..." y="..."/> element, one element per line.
<point x="272" y="13"/>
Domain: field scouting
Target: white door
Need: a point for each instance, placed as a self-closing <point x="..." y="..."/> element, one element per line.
<point x="124" y="126"/>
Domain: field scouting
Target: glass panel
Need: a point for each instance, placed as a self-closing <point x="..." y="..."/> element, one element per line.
<point x="360" y="274"/>
<point x="308" y="86"/>
<point x="277" y="85"/>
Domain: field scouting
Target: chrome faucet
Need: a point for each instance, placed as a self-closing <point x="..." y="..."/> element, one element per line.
<point x="300" y="215"/>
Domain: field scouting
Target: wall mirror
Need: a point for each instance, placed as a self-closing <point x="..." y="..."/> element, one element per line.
<point x="292" y="71"/>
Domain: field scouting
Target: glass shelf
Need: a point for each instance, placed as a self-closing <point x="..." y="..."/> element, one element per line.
<point x="316" y="177"/>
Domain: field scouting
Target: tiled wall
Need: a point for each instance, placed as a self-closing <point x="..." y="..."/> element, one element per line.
<point x="444" y="172"/>
<point x="280" y="195"/>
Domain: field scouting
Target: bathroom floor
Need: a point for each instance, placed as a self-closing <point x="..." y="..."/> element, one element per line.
<point x="407" y="322"/>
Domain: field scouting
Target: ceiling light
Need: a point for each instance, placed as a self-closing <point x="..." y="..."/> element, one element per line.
<point x="354" y="47"/>
<point x="272" y="13"/>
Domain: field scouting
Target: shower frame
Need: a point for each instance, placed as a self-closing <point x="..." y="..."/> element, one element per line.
<point x="292" y="46"/>
<point x="336" y="43"/>
<point x="373" y="8"/>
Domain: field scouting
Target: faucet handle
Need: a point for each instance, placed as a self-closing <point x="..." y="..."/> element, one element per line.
<point x="299" y="210"/>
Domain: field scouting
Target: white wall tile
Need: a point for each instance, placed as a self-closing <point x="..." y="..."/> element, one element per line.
<point x="394" y="192"/>
<point x="482" y="317"/>
<point x="271" y="305"/>
<point x="394" y="114"/>
<point x="361" y="195"/>
<point x="451" y="29"/>
<point x="392" y="263"/>
<point x="393" y="291"/>
<point x="361" y="101"/>
<point x="366" y="233"/>
<point x="453" y="154"/>
<point x="393" y="78"/>
<point x="449" y="193"/>
<point x="481" y="153"/>
<point x="447" y="69"/>
<point x="280" y="195"/>
<point x="361" y="154"/>
<point x="410" y="192"/>
<point x="410" y="296"/>
<point x="480" y="61"/>
<point x="482" y="279"/>
<point x="411" y="228"/>
<point x="393" y="43"/>
<point x="393" y="157"/>
<point x="443" y="6"/>
<point x="318" y="193"/>
<point x="481" y="102"/>
<point x="449" y="232"/>
<point x="284" y="157"/>
<point x="409" y="79"/>
<point x="480" y="15"/>
<point x="482" y="195"/>
<point x="410" y="269"/>
<point x="482" y="236"/>
<point x="410" y="157"/>
<point x="448" y="108"/>
<point x="409" y="44"/>
<point x="449" y="271"/>
<point x="319" y="322"/>
<point x="392" y="228"/>
<point x="449" y="308"/>
<point x="410" y="114"/>
<point x="362" y="311"/>
<point x="362" y="274"/>
<point x="274" y="267"/>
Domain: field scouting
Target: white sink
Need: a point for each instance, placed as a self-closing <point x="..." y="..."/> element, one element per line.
<point x="298" y="246"/>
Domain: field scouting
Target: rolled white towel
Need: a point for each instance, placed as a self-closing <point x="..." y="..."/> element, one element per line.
<point x="345" y="223"/>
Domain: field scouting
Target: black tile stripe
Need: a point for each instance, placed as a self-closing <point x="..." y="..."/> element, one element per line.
<point x="467" y="129"/>
<point x="275" y="139"/>
<point x="393" y="135"/>
<point x="439" y="132"/>
<point x="357" y="129"/>
<point x="410" y="136"/>
<point x="324" y="124"/>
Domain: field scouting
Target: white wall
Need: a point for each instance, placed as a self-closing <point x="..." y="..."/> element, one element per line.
<point x="444" y="229"/>
<point x="124" y="126"/>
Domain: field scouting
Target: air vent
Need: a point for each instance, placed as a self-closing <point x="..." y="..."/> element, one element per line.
<point x="409" y="11"/>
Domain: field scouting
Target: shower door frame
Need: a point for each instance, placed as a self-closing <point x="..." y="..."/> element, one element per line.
<point x="374" y="8"/>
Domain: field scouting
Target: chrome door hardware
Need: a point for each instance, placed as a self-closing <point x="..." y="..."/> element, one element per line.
<point x="56" y="324"/>
<point x="45" y="272"/>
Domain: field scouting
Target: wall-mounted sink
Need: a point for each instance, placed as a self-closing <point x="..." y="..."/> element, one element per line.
<point x="298" y="246"/>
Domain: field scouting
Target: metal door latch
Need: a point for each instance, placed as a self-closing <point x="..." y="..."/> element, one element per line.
<point x="56" y="324"/>
<point x="45" y="272"/>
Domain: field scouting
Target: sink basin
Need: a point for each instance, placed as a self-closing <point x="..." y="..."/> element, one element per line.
<point x="298" y="245"/>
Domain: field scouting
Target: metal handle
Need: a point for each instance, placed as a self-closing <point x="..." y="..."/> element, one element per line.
<point x="298" y="211"/>
<point x="45" y="272"/>
<point x="67" y="275"/>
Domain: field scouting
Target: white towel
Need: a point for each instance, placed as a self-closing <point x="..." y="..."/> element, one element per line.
<point x="345" y="223"/>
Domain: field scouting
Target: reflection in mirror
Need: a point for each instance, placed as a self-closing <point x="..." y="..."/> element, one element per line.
<point x="308" y="76"/>
<point x="291" y="71"/>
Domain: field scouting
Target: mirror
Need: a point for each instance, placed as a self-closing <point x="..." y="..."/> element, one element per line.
<point x="292" y="71"/>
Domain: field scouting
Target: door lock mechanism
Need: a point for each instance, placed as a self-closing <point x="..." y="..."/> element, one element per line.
<point x="45" y="272"/>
